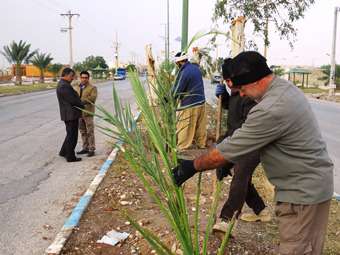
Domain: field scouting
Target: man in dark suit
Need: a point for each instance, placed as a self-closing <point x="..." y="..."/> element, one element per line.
<point x="69" y="104"/>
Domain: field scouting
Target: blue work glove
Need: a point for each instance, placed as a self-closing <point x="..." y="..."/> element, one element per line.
<point x="184" y="171"/>
<point x="220" y="90"/>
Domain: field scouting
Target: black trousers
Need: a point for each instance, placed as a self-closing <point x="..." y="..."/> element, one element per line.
<point x="241" y="188"/>
<point x="71" y="139"/>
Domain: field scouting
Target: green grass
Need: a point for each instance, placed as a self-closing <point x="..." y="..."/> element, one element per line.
<point x="27" y="88"/>
<point x="15" y="90"/>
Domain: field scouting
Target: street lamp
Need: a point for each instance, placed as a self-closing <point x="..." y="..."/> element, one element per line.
<point x="332" y="85"/>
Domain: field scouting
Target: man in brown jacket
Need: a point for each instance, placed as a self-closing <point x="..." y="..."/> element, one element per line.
<point x="88" y="95"/>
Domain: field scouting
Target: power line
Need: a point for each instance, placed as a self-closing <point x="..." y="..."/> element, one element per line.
<point x="44" y="5"/>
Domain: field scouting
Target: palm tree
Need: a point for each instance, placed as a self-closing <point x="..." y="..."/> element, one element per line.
<point x="326" y="69"/>
<point x="55" y="69"/>
<point x="42" y="60"/>
<point x="17" y="53"/>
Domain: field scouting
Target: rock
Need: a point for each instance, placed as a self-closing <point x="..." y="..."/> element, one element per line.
<point x="124" y="202"/>
<point x="143" y="222"/>
<point x="203" y="200"/>
<point x="123" y="196"/>
<point x="48" y="227"/>
<point x="179" y="252"/>
<point x="137" y="234"/>
<point x="174" y="248"/>
<point x="127" y="223"/>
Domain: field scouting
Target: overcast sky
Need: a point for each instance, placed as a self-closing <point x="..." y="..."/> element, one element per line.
<point x="139" y="22"/>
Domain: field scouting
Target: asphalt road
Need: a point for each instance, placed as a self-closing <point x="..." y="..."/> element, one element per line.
<point x="328" y="116"/>
<point x="38" y="189"/>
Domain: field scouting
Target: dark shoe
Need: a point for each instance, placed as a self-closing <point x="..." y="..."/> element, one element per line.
<point x="83" y="151"/>
<point x="74" y="160"/>
<point x="90" y="154"/>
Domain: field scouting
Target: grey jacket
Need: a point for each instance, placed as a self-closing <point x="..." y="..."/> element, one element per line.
<point x="294" y="155"/>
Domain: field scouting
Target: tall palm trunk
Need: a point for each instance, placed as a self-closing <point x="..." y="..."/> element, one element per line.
<point x="18" y="78"/>
<point x="55" y="76"/>
<point x="42" y="79"/>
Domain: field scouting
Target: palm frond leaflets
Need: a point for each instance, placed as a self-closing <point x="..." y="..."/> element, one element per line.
<point x="150" y="149"/>
<point x="17" y="53"/>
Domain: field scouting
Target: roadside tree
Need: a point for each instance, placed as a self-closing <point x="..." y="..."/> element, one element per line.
<point x="55" y="69"/>
<point x="326" y="71"/>
<point x="41" y="61"/>
<point x="18" y="53"/>
<point x="92" y="62"/>
<point x="282" y="14"/>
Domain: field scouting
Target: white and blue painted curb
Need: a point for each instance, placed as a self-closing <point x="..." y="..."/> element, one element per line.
<point x="337" y="196"/>
<point x="84" y="201"/>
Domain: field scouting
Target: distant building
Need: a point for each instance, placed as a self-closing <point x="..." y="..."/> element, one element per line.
<point x="31" y="71"/>
<point x="5" y="75"/>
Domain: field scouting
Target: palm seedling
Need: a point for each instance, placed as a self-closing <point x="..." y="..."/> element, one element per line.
<point x="150" y="149"/>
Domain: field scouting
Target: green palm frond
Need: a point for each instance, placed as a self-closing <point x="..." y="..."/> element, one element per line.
<point x="199" y="35"/>
<point x="55" y="68"/>
<point x="150" y="149"/>
<point x="17" y="53"/>
<point x="41" y="60"/>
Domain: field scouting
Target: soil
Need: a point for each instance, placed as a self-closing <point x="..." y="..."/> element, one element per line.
<point x="122" y="190"/>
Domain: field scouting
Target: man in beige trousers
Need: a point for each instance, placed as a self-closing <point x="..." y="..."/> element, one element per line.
<point x="192" y="118"/>
<point x="88" y="95"/>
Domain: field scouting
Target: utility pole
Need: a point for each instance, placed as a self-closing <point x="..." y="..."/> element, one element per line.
<point x="168" y="32"/>
<point x="166" y="43"/>
<point x="185" y="15"/>
<point x="332" y="84"/>
<point x="116" y="45"/>
<point x="69" y="15"/>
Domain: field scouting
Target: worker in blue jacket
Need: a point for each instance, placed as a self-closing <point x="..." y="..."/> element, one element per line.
<point x="192" y="119"/>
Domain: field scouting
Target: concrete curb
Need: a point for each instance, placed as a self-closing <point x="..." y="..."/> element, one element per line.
<point x="337" y="196"/>
<point x="73" y="220"/>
